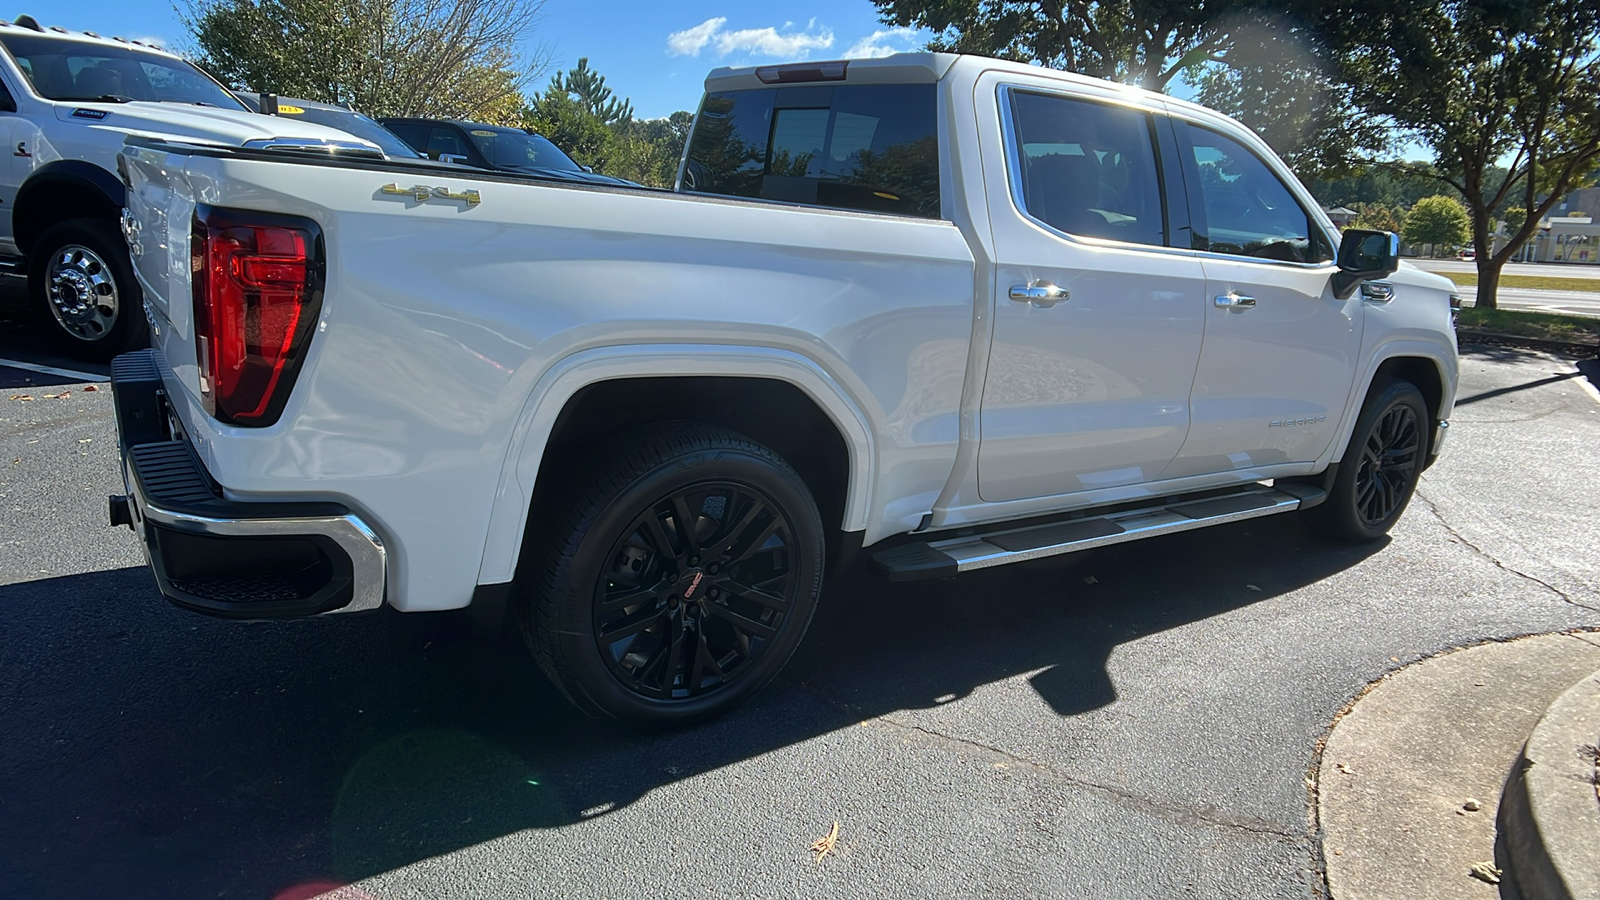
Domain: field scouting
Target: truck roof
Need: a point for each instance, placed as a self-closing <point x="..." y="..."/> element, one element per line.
<point x="28" y="25"/>
<point x="927" y="68"/>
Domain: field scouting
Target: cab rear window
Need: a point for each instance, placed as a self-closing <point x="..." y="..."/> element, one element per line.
<point x="865" y="147"/>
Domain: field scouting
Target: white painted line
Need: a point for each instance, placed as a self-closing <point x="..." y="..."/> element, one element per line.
<point x="52" y="370"/>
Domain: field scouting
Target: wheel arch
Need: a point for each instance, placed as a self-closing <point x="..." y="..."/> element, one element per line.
<point x="62" y="190"/>
<point x="1422" y="363"/>
<point x="776" y="397"/>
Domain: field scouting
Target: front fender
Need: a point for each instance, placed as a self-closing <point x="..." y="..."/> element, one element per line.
<point x="88" y="188"/>
<point x="571" y="374"/>
<point x="1434" y="349"/>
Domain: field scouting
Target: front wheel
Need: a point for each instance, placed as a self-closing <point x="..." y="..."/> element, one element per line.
<point x="1380" y="467"/>
<point x="83" y="286"/>
<point x="682" y="580"/>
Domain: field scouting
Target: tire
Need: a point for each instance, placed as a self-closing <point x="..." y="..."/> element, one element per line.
<point x="1380" y="468"/>
<point x="636" y="620"/>
<point x="83" y="288"/>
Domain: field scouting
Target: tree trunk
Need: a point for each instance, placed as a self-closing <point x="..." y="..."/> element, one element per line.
<point x="1489" y="282"/>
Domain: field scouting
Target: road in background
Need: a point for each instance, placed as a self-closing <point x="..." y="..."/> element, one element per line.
<point x="1577" y="303"/>
<point x="1130" y="722"/>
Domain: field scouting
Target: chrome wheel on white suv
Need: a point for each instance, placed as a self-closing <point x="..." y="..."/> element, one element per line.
<point x="83" y="286"/>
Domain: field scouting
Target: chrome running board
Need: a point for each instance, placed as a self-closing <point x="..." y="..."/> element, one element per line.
<point x="940" y="559"/>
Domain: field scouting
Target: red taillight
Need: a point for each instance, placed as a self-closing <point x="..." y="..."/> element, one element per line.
<point x="257" y="290"/>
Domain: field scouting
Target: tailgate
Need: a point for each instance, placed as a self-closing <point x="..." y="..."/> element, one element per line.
<point x="157" y="222"/>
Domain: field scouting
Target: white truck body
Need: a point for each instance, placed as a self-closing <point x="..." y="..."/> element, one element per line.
<point x="452" y="335"/>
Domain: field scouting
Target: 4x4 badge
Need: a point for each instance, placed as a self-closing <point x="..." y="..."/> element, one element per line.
<point x="422" y="193"/>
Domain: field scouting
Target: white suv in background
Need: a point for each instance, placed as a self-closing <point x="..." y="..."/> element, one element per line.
<point x="67" y="101"/>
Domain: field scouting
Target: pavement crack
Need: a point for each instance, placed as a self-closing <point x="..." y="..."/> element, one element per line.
<point x="1433" y="508"/>
<point x="1186" y="814"/>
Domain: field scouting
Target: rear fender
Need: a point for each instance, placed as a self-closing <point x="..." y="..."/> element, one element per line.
<point x="566" y="378"/>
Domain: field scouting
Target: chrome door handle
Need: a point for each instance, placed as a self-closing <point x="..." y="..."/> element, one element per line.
<point x="1042" y="294"/>
<point x="1233" y="300"/>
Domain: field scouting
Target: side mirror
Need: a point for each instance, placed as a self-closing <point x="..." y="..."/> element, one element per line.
<point x="1363" y="256"/>
<point x="454" y="159"/>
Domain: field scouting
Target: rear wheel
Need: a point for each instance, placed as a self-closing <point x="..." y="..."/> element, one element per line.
<point x="1380" y="468"/>
<point x="682" y="580"/>
<point x="83" y="287"/>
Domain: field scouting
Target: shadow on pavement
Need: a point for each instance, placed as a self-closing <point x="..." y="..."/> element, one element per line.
<point x="172" y="755"/>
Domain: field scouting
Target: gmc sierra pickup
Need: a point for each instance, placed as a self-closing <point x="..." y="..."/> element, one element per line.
<point x="957" y="311"/>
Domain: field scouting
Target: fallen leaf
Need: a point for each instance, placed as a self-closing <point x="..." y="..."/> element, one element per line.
<point x="824" y="845"/>
<point x="1091" y="580"/>
<point x="1486" y="871"/>
<point x="85" y="440"/>
<point x="1344" y="768"/>
<point x="1252" y="587"/>
<point x="23" y="397"/>
<point x="91" y="388"/>
<point x="61" y="396"/>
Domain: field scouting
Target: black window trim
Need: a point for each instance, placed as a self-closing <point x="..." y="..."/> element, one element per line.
<point x="1174" y="204"/>
<point x="1191" y="177"/>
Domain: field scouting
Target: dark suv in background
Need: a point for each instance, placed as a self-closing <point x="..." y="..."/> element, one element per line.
<point x="493" y="147"/>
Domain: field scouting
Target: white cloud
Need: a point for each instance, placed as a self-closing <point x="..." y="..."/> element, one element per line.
<point x="883" y="43"/>
<point x="767" y="41"/>
<point x="690" y="41"/>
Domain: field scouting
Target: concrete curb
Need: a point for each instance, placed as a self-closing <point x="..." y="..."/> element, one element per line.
<point x="1471" y="336"/>
<point x="1550" y="813"/>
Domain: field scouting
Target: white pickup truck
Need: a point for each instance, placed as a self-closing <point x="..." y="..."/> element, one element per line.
<point x="958" y="311"/>
<point x="67" y="102"/>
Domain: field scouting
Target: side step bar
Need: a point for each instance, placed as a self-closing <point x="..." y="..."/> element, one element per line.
<point x="941" y="559"/>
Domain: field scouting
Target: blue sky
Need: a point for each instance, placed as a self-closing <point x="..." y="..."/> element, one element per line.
<point x="656" y="53"/>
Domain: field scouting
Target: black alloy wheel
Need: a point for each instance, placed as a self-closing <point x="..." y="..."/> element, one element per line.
<point x="1380" y="468"/>
<point x="1388" y="469"/>
<point x="682" y="579"/>
<point x="699" y="586"/>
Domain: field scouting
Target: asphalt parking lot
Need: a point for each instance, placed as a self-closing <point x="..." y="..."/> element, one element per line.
<point x="1138" y="721"/>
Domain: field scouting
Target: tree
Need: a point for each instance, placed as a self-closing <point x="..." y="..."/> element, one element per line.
<point x="1436" y="220"/>
<point x="1480" y="82"/>
<point x="1377" y="217"/>
<point x="571" y="126"/>
<point x="1275" y="80"/>
<point x="588" y="87"/>
<point x="434" y="58"/>
<point x="1143" y="42"/>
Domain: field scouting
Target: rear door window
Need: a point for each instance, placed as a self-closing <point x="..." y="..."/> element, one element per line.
<point x="1088" y="169"/>
<point x="866" y="147"/>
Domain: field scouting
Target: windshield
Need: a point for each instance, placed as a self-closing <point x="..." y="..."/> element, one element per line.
<point x="350" y="122"/>
<point x="520" y="150"/>
<point x="81" y="70"/>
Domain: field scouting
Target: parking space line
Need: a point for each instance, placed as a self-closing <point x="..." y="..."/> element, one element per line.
<point x="52" y="370"/>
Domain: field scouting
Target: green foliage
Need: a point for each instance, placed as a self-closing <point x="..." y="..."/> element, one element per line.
<point x="1377" y="217"/>
<point x="588" y="87"/>
<point x="1438" y="220"/>
<point x="437" y="58"/>
<point x="1481" y="81"/>
<point x="579" y="113"/>
<point x="1143" y="42"/>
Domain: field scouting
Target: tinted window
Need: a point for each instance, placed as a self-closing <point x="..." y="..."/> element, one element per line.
<point x="519" y="150"/>
<point x="446" y="140"/>
<point x="79" y="70"/>
<point x="1249" y="211"/>
<point x="1088" y="169"/>
<point x="869" y="147"/>
<point x="351" y="122"/>
<point x="414" y="135"/>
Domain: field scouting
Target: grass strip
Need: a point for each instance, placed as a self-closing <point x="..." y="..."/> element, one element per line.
<point x="1544" y="326"/>
<point x="1536" y="282"/>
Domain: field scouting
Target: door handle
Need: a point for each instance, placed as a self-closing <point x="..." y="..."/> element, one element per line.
<point x="1042" y="294"/>
<point x="1234" y="300"/>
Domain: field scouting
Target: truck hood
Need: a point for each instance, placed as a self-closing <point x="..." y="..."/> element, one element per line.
<point x="197" y="124"/>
